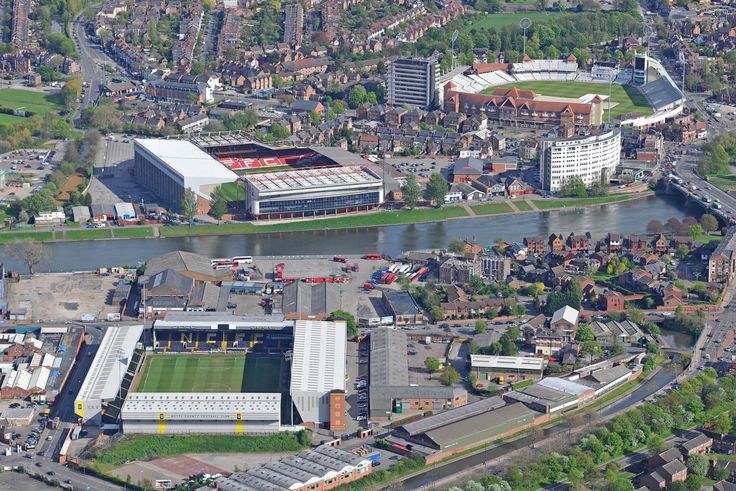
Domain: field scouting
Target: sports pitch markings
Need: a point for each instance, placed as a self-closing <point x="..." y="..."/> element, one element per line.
<point x="626" y="98"/>
<point x="193" y="373"/>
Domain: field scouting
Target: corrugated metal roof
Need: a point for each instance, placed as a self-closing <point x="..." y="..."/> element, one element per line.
<point x="389" y="362"/>
<point x="318" y="360"/>
<point x="448" y="417"/>
<point x="185" y="159"/>
<point x="564" y="385"/>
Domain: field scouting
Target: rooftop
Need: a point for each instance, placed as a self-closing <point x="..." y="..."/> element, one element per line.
<point x="185" y="159"/>
<point x="318" y="361"/>
<point x="507" y="362"/>
<point x="453" y="415"/>
<point x="312" y="178"/>
<point x="389" y="364"/>
<point x="257" y="406"/>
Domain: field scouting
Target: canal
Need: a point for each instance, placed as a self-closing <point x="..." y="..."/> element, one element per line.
<point x="625" y="218"/>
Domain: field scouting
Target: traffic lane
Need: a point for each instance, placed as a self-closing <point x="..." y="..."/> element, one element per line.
<point x="78" y="479"/>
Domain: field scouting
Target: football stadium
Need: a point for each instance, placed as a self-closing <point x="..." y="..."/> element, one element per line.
<point x="264" y="182"/>
<point x="540" y="93"/>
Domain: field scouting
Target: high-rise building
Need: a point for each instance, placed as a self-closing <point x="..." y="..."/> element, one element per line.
<point x="641" y="66"/>
<point x="592" y="158"/>
<point x="413" y="81"/>
<point x="294" y="24"/>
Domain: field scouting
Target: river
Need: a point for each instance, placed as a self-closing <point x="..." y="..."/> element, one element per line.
<point x="625" y="218"/>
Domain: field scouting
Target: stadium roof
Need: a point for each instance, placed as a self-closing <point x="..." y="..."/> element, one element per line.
<point x="333" y="177"/>
<point x="453" y="415"/>
<point x="149" y="405"/>
<point x="213" y="321"/>
<point x="110" y="363"/>
<point x="318" y="360"/>
<point x="186" y="159"/>
<point x="389" y="364"/>
<point x="661" y="93"/>
<point x="507" y="362"/>
<point x="340" y="156"/>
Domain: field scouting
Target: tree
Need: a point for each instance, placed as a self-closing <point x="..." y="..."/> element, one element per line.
<point x="432" y="364"/>
<point x="188" y="204"/>
<point x="480" y="326"/>
<point x="694" y="231"/>
<point x="350" y="324"/>
<point x="218" y="203"/>
<point x="697" y="464"/>
<point x="29" y="252"/>
<point x="457" y="246"/>
<point x="573" y="187"/>
<point x="23" y="216"/>
<point x="655" y="227"/>
<point x="585" y="333"/>
<point x="655" y="444"/>
<point x="315" y="118"/>
<point x="709" y="222"/>
<point x="592" y="349"/>
<point x="357" y="96"/>
<point x="71" y="91"/>
<point x="694" y="482"/>
<point x="449" y="376"/>
<point x="437" y="189"/>
<point x="635" y="315"/>
<point x="303" y="437"/>
<point x="411" y="191"/>
<point x="678" y="486"/>
<point x="723" y="424"/>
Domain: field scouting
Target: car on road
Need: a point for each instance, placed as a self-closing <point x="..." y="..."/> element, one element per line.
<point x="39" y="464"/>
<point x="51" y="473"/>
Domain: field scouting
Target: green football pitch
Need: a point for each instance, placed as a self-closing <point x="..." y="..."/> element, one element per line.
<point x="626" y="98"/>
<point x="193" y="373"/>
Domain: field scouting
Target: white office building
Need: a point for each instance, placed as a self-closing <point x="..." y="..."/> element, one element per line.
<point x="413" y="81"/>
<point x="592" y="158"/>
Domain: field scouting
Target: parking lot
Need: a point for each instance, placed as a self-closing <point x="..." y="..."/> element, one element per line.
<point x="25" y="172"/>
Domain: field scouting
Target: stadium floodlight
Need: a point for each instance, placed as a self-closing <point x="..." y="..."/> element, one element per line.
<point x="453" y="39"/>
<point x="525" y="24"/>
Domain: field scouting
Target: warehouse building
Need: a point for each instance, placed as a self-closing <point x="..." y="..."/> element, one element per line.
<point x="168" y="167"/>
<point x="105" y="375"/>
<point x="507" y="369"/>
<point x="312" y="192"/>
<point x="390" y="391"/>
<point x="322" y="468"/>
<point x="318" y="370"/>
<point x="468" y="426"/>
<point x="547" y="400"/>
<point x="210" y="413"/>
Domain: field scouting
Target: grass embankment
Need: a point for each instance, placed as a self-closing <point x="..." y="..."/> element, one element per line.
<point x="148" y="447"/>
<point x="132" y="232"/>
<point x="109" y="233"/>
<point x="553" y="204"/>
<point x="523" y="205"/>
<point x="350" y="221"/>
<point x="624" y="98"/>
<point x="492" y="209"/>
<point x="6" y="237"/>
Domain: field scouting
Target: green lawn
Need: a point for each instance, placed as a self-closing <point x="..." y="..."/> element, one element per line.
<point x="348" y="221"/>
<point x="38" y="102"/>
<point x="193" y="373"/>
<point x="492" y="209"/>
<point x="523" y="205"/>
<point x="727" y="182"/>
<point x="132" y="232"/>
<point x="486" y="21"/>
<point x="627" y="98"/>
<point x="552" y="204"/>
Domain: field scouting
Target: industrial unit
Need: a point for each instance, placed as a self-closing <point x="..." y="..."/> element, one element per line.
<point x="109" y="367"/>
<point x="508" y="368"/>
<point x="211" y="412"/>
<point x="168" y="167"/>
<point x="318" y="369"/>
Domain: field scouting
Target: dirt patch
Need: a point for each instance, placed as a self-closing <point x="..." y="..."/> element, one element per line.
<point x="71" y="184"/>
<point x="70" y="305"/>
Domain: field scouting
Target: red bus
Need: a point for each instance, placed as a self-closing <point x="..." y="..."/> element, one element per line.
<point x="374" y="256"/>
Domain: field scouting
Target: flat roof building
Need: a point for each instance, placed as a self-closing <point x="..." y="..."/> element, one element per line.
<point x="168" y="167"/>
<point x="317" y="367"/>
<point x="544" y="399"/>
<point x="106" y="373"/>
<point x="312" y="192"/>
<point x="511" y="368"/>
<point x="211" y="413"/>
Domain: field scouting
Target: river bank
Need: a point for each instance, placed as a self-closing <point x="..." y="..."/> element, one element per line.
<point x="362" y="220"/>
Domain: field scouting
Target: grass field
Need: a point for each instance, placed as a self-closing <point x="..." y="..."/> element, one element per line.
<point x="38" y="102"/>
<point x="727" y="182"/>
<point x="523" y="205"/>
<point x="132" y="232"/>
<point x="262" y="374"/>
<point x="6" y="237"/>
<point x="88" y="234"/>
<point x="627" y="98"/>
<point x="193" y="373"/>
<point x="486" y="21"/>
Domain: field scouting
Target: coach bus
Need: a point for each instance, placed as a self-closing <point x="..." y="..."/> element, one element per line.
<point x="242" y="259"/>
